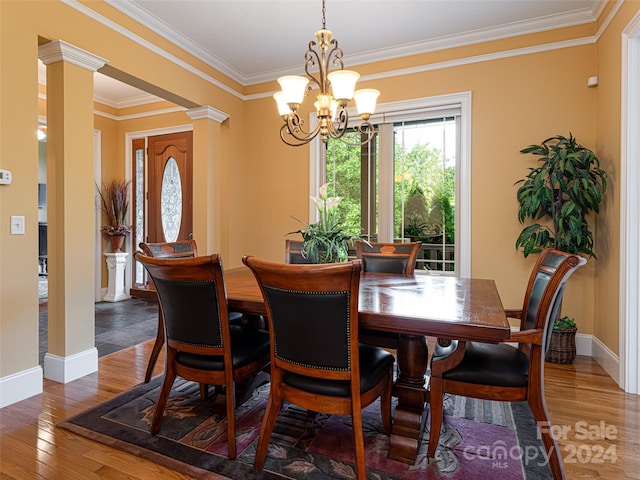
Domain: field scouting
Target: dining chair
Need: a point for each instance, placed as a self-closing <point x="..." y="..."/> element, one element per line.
<point x="201" y="344"/>
<point x="503" y="372"/>
<point x="394" y="258"/>
<point x="381" y="257"/>
<point x="317" y="362"/>
<point x="293" y="252"/>
<point x="172" y="250"/>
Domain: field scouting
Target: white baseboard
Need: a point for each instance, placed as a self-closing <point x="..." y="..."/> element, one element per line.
<point x="591" y="346"/>
<point x="67" y="369"/>
<point x="608" y="360"/>
<point x="20" y="386"/>
<point x="584" y="344"/>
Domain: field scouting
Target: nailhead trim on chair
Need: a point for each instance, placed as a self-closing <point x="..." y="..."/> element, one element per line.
<point x="348" y="325"/>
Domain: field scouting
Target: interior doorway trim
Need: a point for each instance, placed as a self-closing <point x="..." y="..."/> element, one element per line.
<point x="128" y="138"/>
<point x="97" y="175"/>
<point x="629" y="305"/>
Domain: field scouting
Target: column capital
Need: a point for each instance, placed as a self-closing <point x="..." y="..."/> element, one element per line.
<point x="207" y="112"/>
<point x="59" y="50"/>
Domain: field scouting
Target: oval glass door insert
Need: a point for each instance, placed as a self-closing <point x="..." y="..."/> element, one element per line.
<point x="171" y="201"/>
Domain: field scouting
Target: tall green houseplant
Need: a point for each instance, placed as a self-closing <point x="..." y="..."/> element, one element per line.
<point x="563" y="189"/>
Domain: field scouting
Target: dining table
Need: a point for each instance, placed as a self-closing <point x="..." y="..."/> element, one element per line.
<point x="443" y="307"/>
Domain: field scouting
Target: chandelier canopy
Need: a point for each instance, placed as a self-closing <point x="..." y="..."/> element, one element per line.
<point x="336" y="89"/>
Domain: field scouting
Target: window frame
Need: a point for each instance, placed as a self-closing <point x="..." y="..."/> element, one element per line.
<point x="389" y="112"/>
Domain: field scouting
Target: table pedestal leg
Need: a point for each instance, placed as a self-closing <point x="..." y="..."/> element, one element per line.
<point x="411" y="390"/>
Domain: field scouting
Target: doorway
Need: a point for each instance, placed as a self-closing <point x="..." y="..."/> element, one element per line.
<point x="162" y="183"/>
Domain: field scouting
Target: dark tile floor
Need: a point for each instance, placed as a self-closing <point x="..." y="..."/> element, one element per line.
<point x="118" y="325"/>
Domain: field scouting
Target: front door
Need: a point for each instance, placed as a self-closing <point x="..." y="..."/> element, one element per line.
<point x="170" y="188"/>
<point x="163" y="197"/>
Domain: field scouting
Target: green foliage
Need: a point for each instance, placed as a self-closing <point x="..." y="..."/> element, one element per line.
<point x="326" y="241"/>
<point x="414" y="227"/>
<point x="564" y="323"/>
<point x="429" y="191"/>
<point x="564" y="189"/>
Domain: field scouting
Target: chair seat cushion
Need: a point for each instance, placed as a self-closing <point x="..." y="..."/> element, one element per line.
<point x="247" y="345"/>
<point x="374" y="365"/>
<point x="235" y="317"/>
<point x="498" y="365"/>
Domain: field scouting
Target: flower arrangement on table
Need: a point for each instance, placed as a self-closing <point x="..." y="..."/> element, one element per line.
<point x="326" y="241"/>
<point x="115" y="205"/>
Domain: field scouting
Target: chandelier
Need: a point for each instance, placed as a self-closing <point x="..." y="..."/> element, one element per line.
<point x="336" y="89"/>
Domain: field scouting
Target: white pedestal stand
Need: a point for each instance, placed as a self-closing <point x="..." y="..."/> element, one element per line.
<point x="116" y="263"/>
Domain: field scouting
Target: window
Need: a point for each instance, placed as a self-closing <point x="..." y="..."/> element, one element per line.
<point x="411" y="183"/>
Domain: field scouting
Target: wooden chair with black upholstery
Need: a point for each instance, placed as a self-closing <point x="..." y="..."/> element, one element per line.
<point x="394" y="258"/>
<point x="317" y="362"/>
<point x="293" y="252"/>
<point x="381" y="257"/>
<point x="201" y="344"/>
<point x="171" y="250"/>
<point x="504" y="372"/>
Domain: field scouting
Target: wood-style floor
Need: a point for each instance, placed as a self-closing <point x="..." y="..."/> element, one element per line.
<point x="601" y="425"/>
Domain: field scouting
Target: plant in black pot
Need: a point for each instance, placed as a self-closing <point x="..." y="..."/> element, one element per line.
<point x="558" y="195"/>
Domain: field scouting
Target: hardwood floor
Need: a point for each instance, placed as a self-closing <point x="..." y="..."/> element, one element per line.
<point x="601" y="425"/>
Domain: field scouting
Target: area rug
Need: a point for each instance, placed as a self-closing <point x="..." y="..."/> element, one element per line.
<point x="479" y="440"/>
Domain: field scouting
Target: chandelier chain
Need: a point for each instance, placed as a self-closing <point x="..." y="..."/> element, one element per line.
<point x="324" y="12"/>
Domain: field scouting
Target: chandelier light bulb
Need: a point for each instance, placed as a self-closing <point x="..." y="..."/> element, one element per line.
<point x="293" y="88"/>
<point x="343" y="83"/>
<point x="366" y="101"/>
<point x="283" y="108"/>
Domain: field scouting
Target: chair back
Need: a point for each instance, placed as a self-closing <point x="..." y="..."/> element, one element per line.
<point x="543" y="299"/>
<point x="312" y="312"/>
<point x="293" y="252"/>
<point x="179" y="249"/>
<point x="397" y="258"/>
<point x="192" y="297"/>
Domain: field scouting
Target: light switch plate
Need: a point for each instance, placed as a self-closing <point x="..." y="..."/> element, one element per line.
<point x="5" y="177"/>
<point x="17" y="225"/>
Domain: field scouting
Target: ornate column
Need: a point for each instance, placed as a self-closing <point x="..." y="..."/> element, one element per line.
<point x="116" y="264"/>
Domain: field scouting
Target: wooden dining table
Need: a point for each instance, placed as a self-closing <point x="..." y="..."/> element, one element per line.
<point x="443" y="307"/>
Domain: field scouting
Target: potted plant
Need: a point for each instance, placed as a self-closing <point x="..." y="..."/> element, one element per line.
<point x="327" y="240"/>
<point x="558" y="195"/>
<point x="115" y="205"/>
<point x="562" y="345"/>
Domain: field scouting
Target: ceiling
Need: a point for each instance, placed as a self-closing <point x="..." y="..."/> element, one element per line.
<point x="253" y="41"/>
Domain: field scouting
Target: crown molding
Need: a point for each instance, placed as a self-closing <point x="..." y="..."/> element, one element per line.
<point x="128" y="102"/>
<point x="541" y="24"/>
<point x="75" y="4"/>
<point x="518" y="28"/>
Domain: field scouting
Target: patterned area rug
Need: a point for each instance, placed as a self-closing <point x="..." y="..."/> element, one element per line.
<point x="479" y="440"/>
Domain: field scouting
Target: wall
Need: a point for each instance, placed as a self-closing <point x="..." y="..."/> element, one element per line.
<point x="519" y="97"/>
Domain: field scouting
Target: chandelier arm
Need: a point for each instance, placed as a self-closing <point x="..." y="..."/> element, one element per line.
<point x="294" y="128"/>
<point x="369" y="132"/>
<point x="313" y="59"/>
<point x="285" y="135"/>
<point x="339" y="128"/>
<point x="337" y="54"/>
